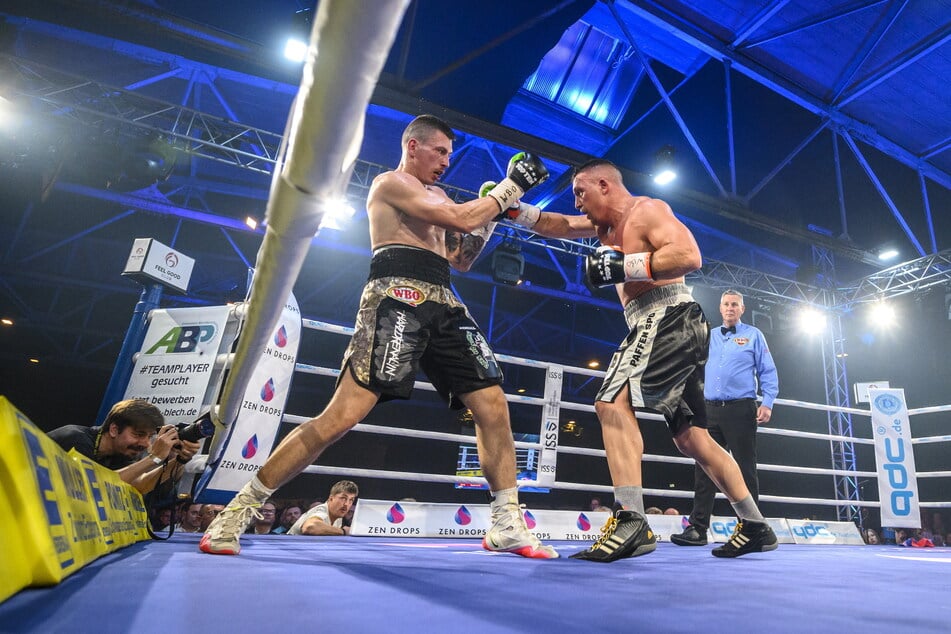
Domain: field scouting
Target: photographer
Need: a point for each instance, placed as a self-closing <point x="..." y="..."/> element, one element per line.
<point x="133" y="441"/>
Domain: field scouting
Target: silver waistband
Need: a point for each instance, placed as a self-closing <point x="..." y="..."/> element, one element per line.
<point x="667" y="295"/>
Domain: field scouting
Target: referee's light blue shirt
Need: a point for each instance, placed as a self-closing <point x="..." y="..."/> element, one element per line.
<point x="737" y="362"/>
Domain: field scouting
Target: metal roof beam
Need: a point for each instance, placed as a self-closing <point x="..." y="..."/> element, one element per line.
<point x="814" y="20"/>
<point x="899" y="62"/>
<point x="704" y="41"/>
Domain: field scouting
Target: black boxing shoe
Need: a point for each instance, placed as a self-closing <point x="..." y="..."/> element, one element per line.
<point x="693" y="535"/>
<point x="748" y="537"/>
<point x="626" y="534"/>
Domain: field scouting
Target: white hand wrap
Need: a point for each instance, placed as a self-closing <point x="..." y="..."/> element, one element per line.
<point x="525" y="215"/>
<point x="637" y="267"/>
<point x="506" y="193"/>
<point x="484" y="232"/>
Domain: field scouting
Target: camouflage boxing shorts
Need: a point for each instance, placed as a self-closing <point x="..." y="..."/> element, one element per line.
<point x="410" y="320"/>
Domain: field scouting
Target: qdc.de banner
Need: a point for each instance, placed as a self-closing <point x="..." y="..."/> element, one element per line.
<point x="897" y="478"/>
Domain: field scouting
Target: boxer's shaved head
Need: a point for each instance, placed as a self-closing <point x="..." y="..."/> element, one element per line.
<point x="603" y="168"/>
<point x="423" y="127"/>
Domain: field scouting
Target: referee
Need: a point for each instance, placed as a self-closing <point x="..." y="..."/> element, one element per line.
<point x="739" y="365"/>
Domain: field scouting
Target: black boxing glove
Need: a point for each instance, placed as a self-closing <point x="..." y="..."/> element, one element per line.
<point x="525" y="171"/>
<point x="608" y="265"/>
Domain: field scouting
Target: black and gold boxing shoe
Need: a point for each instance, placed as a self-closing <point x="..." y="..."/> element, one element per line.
<point x="626" y="534"/>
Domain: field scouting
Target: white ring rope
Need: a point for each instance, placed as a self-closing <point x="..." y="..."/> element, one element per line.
<point x="198" y="463"/>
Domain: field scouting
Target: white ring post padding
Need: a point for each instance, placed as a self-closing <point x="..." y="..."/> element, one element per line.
<point x="349" y="44"/>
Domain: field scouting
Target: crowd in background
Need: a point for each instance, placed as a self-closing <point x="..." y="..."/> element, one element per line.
<point x="276" y="516"/>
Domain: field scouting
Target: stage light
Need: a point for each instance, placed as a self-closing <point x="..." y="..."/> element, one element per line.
<point x="508" y="264"/>
<point x="664" y="168"/>
<point x="252" y="222"/>
<point x="6" y="321"/>
<point x="882" y="315"/>
<point x="336" y="214"/>
<point x="886" y="255"/>
<point x="594" y="363"/>
<point x="295" y="49"/>
<point x="812" y="320"/>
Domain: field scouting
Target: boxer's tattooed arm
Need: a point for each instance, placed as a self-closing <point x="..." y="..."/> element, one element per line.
<point x="462" y="249"/>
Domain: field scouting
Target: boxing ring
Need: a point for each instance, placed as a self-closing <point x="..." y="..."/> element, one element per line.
<point x="425" y="584"/>
<point x="388" y="584"/>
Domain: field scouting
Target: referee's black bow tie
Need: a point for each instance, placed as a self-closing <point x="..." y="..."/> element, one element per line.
<point x="724" y="330"/>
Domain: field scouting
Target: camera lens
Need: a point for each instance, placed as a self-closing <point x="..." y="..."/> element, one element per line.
<point x="193" y="432"/>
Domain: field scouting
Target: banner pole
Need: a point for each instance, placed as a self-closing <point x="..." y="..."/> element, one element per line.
<point x="149" y="300"/>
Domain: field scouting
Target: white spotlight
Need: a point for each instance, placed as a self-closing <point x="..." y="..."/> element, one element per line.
<point x="295" y="49"/>
<point x="882" y="315"/>
<point x="665" y="177"/>
<point x="336" y="214"/>
<point x="812" y="320"/>
<point x="888" y="254"/>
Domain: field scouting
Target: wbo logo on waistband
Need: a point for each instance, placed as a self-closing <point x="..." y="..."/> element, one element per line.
<point x="407" y="294"/>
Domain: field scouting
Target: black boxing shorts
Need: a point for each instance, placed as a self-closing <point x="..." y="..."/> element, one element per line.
<point x="662" y="358"/>
<point x="410" y="320"/>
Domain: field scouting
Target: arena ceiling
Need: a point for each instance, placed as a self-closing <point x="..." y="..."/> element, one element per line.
<point x="809" y="135"/>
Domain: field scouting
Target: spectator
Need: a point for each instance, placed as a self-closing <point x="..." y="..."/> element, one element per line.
<point x="671" y="511"/>
<point x="327" y="518"/>
<point x="595" y="504"/>
<point x="289" y="515"/>
<point x="654" y="510"/>
<point x="901" y="535"/>
<point x="191" y="518"/>
<point x="264" y="519"/>
<point x="871" y="537"/>
<point x="133" y="442"/>
<point x="208" y="513"/>
<point x="161" y="518"/>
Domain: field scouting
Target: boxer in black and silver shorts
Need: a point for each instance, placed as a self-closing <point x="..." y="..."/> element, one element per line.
<point x="662" y="358"/>
<point x="645" y="253"/>
<point x="409" y="319"/>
